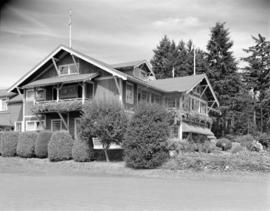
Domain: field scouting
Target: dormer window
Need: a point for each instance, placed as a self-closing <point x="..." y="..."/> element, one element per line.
<point x="68" y="69"/>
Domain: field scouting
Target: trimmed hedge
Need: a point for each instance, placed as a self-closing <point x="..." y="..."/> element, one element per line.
<point x="82" y="151"/>
<point x="1" y="134"/>
<point x="9" y="143"/>
<point x="145" y="144"/>
<point x="41" y="146"/>
<point x="26" y="144"/>
<point x="60" y="146"/>
<point x="224" y="144"/>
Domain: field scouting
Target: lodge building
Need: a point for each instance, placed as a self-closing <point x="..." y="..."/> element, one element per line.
<point x="54" y="91"/>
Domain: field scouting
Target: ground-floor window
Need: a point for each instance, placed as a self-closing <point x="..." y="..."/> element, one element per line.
<point x="56" y="124"/>
<point x="33" y="125"/>
<point x="18" y="126"/>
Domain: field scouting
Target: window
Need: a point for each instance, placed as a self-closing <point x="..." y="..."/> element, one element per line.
<point x="68" y="92"/>
<point x="156" y="99"/>
<point x="57" y="124"/>
<point x="34" y="125"/>
<point x="30" y="95"/>
<point x="172" y="102"/>
<point x="129" y="93"/>
<point x="68" y="69"/>
<point x="40" y="94"/>
<point x="203" y="108"/>
<point x="18" y="126"/>
<point x="3" y="104"/>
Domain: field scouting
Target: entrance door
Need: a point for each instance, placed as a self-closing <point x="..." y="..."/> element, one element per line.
<point x="76" y="127"/>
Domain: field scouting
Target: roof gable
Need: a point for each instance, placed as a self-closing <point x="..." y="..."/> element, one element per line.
<point x="183" y="84"/>
<point x="86" y="58"/>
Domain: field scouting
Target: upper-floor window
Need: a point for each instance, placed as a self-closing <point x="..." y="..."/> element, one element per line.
<point x="30" y="95"/>
<point x="68" y="69"/>
<point x="3" y="104"/>
<point x="156" y="99"/>
<point x="40" y="94"/>
<point x="129" y="93"/>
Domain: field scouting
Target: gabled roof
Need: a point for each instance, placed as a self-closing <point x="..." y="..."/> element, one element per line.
<point x="91" y="60"/>
<point x="5" y="93"/>
<point x="61" y="79"/>
<point x="133" y="64"/>
<point x="182" y="84"/>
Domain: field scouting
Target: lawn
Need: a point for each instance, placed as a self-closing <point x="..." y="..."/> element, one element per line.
<point x="37" y="184"/>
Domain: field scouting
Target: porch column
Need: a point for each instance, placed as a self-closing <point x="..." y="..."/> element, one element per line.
<point x="180" y="131"/>
<point x="83" y="93"/>
<point x="57" y="94"/>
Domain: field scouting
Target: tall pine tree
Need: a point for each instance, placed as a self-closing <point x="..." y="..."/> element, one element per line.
<point x="223" y="76"/>
<point x="256" y="77"/>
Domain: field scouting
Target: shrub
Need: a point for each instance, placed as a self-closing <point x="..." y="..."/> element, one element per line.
<point x="244" y="161"/>
<point x="245" y="140"/>
<point x="9" y="143"/>
<point x="145" y="144"/>
<point x="236" y="147"/>
<point x="26" y="144"/>
<point x="105" y="120"/>
<point x="41" y="146"/>
<point x="82" y="151"/>
<point x="224" y="144"/>
<point x="264" y="139"/>
<point x="254" y="146"/>
<point x="60" y="146"/>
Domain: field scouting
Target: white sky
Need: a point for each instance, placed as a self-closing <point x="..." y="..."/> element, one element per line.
<point x="119" y="30"/>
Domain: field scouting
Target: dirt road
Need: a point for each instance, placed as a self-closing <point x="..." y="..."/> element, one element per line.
<point x="105" y="192"/>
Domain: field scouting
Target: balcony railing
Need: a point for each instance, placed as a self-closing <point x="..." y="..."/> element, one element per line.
<point x="192" y="117"/>
<point x="62" y="105"/>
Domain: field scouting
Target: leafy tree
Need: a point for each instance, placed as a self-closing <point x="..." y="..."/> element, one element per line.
<point x="104" y="119"/>
<point x="223" y="75"/>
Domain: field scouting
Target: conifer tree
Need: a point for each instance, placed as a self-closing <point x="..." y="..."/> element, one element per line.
<point x="223" y="75"/>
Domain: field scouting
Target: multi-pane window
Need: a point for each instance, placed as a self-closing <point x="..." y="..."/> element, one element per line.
<point x="172" y="102"/>
<point x="3" y="104"/>
<point x="30" y="95"/>
<point x="129" y="93"/>
<point x="57" y="124"/>
<point x="156" y="99"/>
<point x="40" y="94"/>
<point x="34" y="125"/>
<point x="203" y="108"/>
<point x="18" y="126"/>
<point x="69" y="91"/>
<point x="68" y="69"/>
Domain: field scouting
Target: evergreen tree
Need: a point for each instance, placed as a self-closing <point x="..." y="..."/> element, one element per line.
<point x="163" y="61"/>
<point x="223" y="76"/>
<point x="256" y="77"/>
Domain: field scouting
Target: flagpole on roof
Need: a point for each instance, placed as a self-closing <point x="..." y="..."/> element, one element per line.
<point x="194" y="60"/>
<point x="70" y="27"/>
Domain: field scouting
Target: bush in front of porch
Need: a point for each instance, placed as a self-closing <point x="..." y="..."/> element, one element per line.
<point x="41" y="146"/>
<point x="60" y="146"/>
<point x="82" y="151"/>
<point x="26" y="144"/>
<point x="145" y="144"/>
<point x="9" y="143"/>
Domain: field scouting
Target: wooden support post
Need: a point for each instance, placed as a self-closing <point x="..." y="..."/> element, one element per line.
<point x="75" y="63"/>
<point x="63" y="120"/>
<point x="55" y="66"/>
<point x="180" y="131"/>
<point x="83" y="93"/>
<point x="119" y="88"/>
<point x="23" y="111"/>
<point x="204" y="91"/>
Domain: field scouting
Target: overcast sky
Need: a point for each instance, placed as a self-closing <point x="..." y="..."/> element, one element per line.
<point x="118" y="30"/>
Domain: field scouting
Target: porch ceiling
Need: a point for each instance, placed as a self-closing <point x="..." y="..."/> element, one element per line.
<point x="61" y="79"/>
